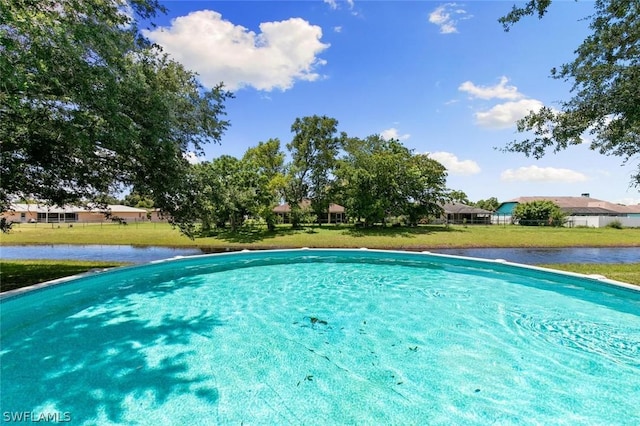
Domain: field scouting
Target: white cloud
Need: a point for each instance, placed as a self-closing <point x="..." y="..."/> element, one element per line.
<point x="502" y="115"/>
<point x="333" y="4"/>
<point x="281" y="54"/>
<point x="499" y="91"/>
<point x="392" y="133"/>
<point x="337" y="29"/>
<point x="629" y="201"/>
<point x="506" y="114"/>
<point x="542" y="174"/>
<point x="454" y="165"/>
<point x="447" y="16"/>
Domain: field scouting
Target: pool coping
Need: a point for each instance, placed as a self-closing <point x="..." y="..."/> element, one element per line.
<point x="592" y="277"/>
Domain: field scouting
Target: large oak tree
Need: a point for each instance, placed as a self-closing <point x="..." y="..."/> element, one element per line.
<point x="314" y="152"/>
<point x="379" y="178"/>
<point x="88" y="106"/>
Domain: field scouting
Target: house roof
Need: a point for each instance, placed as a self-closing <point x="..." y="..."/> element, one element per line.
<point x="458" y="208"/>
<point x="573" y="203"/>
<point x="118" y="208"/>
<point x="589" y="211"/>
<point x="282" y="208"/>
<point x="41" y="208"/>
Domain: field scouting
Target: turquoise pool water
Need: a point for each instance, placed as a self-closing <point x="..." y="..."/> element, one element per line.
<point x="323" y="337"/>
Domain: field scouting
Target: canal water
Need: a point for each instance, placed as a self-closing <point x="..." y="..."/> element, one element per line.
<point x="133" y="254"/>
<point x="534" y="256"/>
<point x="108" y="253"/>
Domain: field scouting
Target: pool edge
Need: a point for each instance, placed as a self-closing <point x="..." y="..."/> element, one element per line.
<point x="591" y="277"/>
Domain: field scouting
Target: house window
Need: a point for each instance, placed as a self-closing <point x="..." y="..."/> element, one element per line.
<point x="57" y="217"/>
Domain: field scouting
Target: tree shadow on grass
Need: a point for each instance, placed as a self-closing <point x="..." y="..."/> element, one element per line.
<point x="397" y="231"/>
<point x="16" y="275"/>
<point x="248" y="235"/>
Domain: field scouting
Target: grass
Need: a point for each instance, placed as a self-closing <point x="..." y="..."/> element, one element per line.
<point x="628" y="273"/>
<point x="21" y="273"/>
<point x="423" y="237"/>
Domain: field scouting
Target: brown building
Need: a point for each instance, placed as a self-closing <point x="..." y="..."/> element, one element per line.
<point x="38" y="213"/>
<point x="457" y="213"/>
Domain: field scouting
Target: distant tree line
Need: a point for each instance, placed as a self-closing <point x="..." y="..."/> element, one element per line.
<point x="372" y="178"/>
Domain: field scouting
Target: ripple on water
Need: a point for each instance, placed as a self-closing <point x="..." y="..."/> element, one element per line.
<point x="603" y="339"/>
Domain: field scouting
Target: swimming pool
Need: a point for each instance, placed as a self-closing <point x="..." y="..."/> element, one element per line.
<point x="324" y="337"/>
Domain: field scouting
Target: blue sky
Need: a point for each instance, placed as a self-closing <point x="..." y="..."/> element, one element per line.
<point x="442" y="77"/>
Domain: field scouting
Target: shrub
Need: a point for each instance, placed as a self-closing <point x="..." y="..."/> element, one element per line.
<point x="558" y="218"/>
<point x="616" y="224"/>
<point x="539" y="213"/>
<point x="302" y="216"/>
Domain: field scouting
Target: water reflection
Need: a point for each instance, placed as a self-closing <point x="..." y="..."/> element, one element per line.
<point x="108" y="253"/>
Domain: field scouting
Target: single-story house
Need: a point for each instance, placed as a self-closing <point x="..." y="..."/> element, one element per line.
<point x="156" y="215"/>
<point x="581" y="211"/>
<point x="71" y="214"/>
<point x="457" y="213"/>
<point x="335" y="213"/>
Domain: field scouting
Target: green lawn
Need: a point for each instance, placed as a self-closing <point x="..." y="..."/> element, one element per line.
<point x="423" y="237"/>
<point x="628" y="272"/>
<point x="21" y="273"/>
